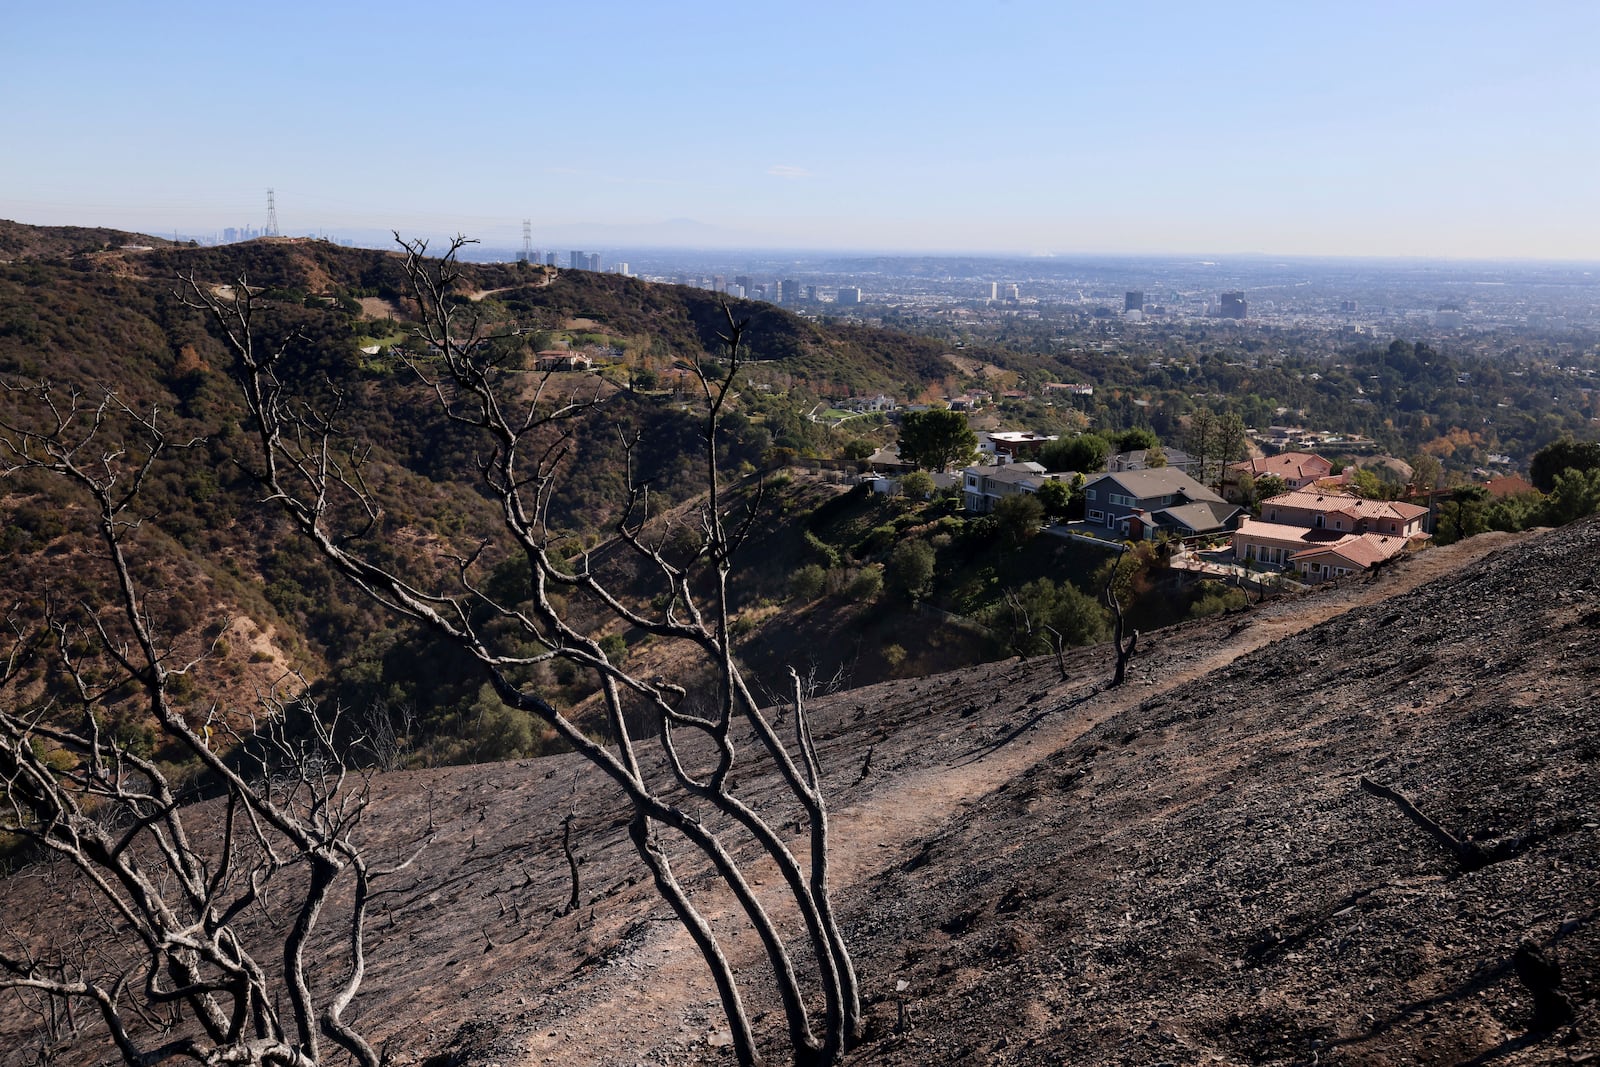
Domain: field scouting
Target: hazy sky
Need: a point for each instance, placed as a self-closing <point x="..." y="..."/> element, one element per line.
<point x="1396" y="128"/>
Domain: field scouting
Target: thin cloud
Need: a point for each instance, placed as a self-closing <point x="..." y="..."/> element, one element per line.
<point x="784" y="170"/>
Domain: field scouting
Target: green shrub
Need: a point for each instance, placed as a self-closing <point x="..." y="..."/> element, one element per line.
<point x="877" y="540"/>
<point x="866" y="585"/>
<point x="830" y="555"/>
<point x="910" y="569"/>
<point x="808" y="582"/>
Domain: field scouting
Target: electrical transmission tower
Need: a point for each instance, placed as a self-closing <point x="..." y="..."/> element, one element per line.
<point x="527" y="239"/>
<point x="272" y="215"/>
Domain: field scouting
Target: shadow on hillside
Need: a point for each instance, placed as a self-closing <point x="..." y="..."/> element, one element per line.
<point x="977" y="755"/>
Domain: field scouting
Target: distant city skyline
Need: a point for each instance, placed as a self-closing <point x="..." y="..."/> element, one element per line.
<point x="1457" y="130"/>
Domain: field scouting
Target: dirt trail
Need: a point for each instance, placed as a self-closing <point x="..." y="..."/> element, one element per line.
<point x="918" y="803"/>
<point x="663" y="970"/>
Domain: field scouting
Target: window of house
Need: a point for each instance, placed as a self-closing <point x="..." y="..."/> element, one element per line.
<point x="1097" y="516"/>
<point x="1089" y="494"/>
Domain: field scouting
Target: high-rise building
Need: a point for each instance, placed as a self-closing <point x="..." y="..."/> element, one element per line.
<point x="788" y="292"/>
<point x="848" y="294"/>
<point x="1233" y="306"/>
<point x="623" y="269"/>
<point x="1133" y="301"/>
<point x="579" y="260"/>
<point x="811" y="294"/>
<point x="743" y="282"/>
<point x="549" y="259"/>
<point x="1013" y="294"/>
<point x="594" y="261"/>
<point x="994" y="290"/>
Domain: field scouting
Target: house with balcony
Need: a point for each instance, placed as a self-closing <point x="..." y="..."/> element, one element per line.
<point x="1323" y="535"/>
<point x="985" y="485"/>
<point x="1345" y="513"/>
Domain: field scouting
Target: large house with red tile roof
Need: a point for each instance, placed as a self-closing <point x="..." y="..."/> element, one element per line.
<point x="1509" y="485"/>
<point x="1297" y="469"/>
<point x="1328" y="535"/>
<point x="1341" y="511"/>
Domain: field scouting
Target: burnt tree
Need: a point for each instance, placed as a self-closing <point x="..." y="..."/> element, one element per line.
<point x="685" y="803"/>
<point x="169" y="945"/>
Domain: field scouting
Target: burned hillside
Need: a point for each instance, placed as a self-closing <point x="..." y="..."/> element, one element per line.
<point x="1040" y="869"/>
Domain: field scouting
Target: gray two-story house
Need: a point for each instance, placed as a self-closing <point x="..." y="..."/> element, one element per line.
<point x="985" y="485"/>
<point x="1138" y="505"/>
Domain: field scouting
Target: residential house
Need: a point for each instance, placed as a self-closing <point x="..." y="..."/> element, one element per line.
<point x="1328" y="535"/>
<point x="867" y="404"/>
<point x="889" y="485"/>
<point x="972" y="400"/>
<point x="1015" y="444"/>
<point x="1139" y="459"/>
<point x="560" y="359"/>
<point x="1345" y="513"/>
<point x="1297" y="469"/>
<point x="888" y="459"/>
<point x="1140" y="504"/>
<point x="985" y="485"/>
<point x="1509" y="485"/>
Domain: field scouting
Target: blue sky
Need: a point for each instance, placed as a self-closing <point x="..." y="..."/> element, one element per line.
<point x="1425" y="129"/>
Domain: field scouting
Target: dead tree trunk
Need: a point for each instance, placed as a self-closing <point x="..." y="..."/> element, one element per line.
<point x="1125" y="647"/>
<point x="1058" y="646"/>
<point x="524" y="438"/>
<point x="162" y="959"/>
<point x="1469" y="855"/>
<point x="572" y="866"/>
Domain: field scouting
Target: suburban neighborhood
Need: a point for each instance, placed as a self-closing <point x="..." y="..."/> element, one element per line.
<point x="1311" y="526"/>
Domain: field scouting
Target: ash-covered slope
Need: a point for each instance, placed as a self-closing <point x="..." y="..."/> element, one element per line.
<point x="1202" y="879"/>
<point x="1182" y="870"/>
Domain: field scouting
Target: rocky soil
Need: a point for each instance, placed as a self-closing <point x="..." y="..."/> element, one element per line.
<point x="1041" y="870"/>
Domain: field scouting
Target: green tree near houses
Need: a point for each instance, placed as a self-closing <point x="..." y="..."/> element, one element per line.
<point x="1055" y="497"/>
<point x="917" y="485"/>
<point x="936" y="439"/>
<point x="1564" y="453"/>
<point x="1085" y="453"/>
<point x="909" y="571"/>
<point x="1018" y="518"/>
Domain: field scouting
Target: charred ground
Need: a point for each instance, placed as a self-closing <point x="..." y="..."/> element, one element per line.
<point x="1183" y="870"/>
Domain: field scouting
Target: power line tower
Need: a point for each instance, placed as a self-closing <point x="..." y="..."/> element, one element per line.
<point x="527" y="240"/>
<point x="272" y="214"/>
